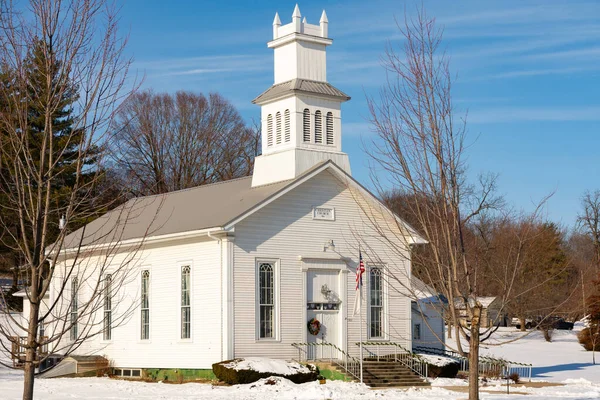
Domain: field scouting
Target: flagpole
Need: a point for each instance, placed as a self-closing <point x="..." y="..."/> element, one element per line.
<point x="361" y="336"/>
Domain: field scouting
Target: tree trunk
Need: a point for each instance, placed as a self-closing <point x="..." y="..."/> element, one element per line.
<point x="474" y="355"/>
<point x="449" y="330"/>
<point x="522" y="322"/>
<point x="31" y="351"/>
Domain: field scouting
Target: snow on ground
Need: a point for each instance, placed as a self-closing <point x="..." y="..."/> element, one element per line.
<point x="559" y="361"/>
<point x="563" y="358"/>
<point x="280" y="388"/>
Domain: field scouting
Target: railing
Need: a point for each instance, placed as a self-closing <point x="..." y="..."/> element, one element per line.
<point x="519" y="368"/>
<point x="329" y="351"/>
<point x="487" y="365"/>
<point x="400" y="354"/>
<point x="19" y="349"/>
<point x="463" y="361"/>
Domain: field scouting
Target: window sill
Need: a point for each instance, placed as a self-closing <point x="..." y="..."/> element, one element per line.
<point x="267" y="340"/>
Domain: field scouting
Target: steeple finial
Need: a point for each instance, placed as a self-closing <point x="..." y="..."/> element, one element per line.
<point x="276" y="25"/>
<point x="296" y="19"/>
<point x="324" y="23"/>
<point x="324" y="18"/>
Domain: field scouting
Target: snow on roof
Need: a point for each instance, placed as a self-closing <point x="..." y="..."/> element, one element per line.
<point x="485" y="301"/>
<point x="269" y="365"/>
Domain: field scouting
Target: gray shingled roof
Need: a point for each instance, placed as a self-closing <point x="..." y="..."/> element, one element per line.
<point x="186" y="210"/>
<point x="299" y="86"/>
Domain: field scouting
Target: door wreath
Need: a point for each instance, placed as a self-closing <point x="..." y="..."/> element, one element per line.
<point x="314" y="326"/>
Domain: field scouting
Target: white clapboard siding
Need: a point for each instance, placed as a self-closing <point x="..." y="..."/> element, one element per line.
<point x="166" y="349"/>
<point x="432" y="326"/>
<point x="285" y="230"/>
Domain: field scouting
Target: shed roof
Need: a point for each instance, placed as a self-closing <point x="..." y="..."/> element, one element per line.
<point x="485" y="301"/>
<point x="299" y="86"/>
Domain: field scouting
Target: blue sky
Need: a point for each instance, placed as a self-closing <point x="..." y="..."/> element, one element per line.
<point x="528" y="73"/>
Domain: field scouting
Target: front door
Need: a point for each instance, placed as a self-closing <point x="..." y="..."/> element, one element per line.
<point x="323" y="305"/>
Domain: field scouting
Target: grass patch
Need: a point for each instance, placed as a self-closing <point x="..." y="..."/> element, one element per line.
<point x="333" y="375"/>
<point x="177" y="375"/>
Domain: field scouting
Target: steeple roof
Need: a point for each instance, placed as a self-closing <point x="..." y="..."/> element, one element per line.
<point x="300" y="86"/>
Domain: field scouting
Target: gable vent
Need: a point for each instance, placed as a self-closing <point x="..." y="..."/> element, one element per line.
<point x="270" y="130"/>
<point x="318" y="127"/>
<point x="306" y="125"/>
<point x="278" y="121"/>
<point x="286" y="117"/>
<point x="329" y="128"/>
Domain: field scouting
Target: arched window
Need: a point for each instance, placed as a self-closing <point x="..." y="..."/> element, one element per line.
<point x="329" y="128"/>
<point x="278" y="134"/>
<point x="306" y="126"/>
<point x="270" y="130"/>
<point x="318" y="127"/>
<point x="376" y="303"/>
<point x="266" y="300"/>
<point x="286" y="117"/>
<point x="74" y="307"/>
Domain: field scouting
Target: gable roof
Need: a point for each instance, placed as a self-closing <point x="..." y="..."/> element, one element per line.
<point x="300" y="86"/>
<point x="186" y="210"/>
<point x="217" y="206"/>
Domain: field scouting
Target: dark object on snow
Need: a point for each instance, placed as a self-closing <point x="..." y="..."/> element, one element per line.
<point x="446" y="371"/>
<point x="233" y="377"/>
<point x="555" y="323"/>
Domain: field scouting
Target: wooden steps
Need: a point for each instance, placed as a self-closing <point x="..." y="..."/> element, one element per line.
<point x="389" y="374"/>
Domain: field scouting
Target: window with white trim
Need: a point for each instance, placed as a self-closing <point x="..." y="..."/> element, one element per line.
<point x="417" y="332"/>
<point x="186" y="305"/>
<point x="107" y="331"/>
<point x="375" y="303"/>
<point x="74" y="306"/>
<point x="266" y="300"/>
<point x="145" y="306"/>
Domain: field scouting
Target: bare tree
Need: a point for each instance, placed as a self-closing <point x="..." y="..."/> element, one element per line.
<point x="166" y="142"/>
<point x="81" y="52"/>
<point x="419" y="150"/>
<point x="589" y="223"/>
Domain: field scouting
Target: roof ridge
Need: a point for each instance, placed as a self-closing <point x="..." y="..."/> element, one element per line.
<point x="193" y="188"/>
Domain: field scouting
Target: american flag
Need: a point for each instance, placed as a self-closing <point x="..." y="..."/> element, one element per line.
<point x="360" y="270"/>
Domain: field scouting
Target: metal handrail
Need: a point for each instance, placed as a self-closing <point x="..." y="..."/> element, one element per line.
<point x="19" y="349"/>
<point x="406" y="357"/>
<point x="487" y="364"/>
<point x="337" y="356"/>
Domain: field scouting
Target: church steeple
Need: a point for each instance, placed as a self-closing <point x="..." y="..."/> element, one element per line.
<point x="301" y="112"/>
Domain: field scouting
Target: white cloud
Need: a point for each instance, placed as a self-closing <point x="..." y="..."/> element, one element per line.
<point x="540" y="114"/>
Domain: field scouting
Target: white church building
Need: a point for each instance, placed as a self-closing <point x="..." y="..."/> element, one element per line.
<point x="239" y="268"/>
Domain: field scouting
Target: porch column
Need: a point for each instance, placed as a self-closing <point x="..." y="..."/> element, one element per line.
<point x="227" y="305"/>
